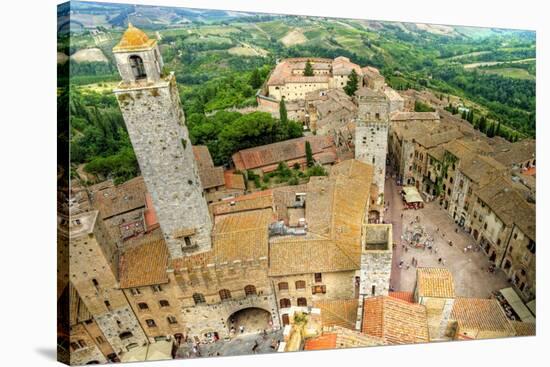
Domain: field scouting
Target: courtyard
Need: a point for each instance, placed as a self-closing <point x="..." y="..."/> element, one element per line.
<point x="242" y="344"/>
<point x="470" y="268"/>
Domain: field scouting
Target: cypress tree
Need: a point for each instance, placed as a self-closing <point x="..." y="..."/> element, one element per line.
<point x="309" y="155"/>
<point x="282" y="111"/>
<point x="351" y="85"/>
<point x="308" y="71"/>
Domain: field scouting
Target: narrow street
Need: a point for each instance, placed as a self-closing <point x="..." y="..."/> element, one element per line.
<point x="393" y="216"/>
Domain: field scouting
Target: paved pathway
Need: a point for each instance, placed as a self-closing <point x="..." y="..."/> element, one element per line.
<point x="239" y="345"/>
<point x="469" y="268"/>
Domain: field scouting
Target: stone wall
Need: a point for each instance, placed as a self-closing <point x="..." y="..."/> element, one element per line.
<point x="376" y="261"/>
<point x="93" y="264"/>
<point x="88" y="351"/>
<point x="207" y="318"/>
<point x="338" y="285"/>
<point x="168" y="292"/>
<point x="156" y="125"/>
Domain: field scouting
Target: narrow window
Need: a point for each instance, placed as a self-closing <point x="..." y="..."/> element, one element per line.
<point x="318" y="278"/>
<point x="151" y="323"/>
<point x="164" y="303"/>
<point x="250" y="290"/>
<point x="283" y="286"/>
<point x="198" y="298"/>
<point x="225" y="294"/>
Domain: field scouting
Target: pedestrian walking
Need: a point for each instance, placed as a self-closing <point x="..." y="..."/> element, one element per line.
<point x="241" y="329"/>
<point x="406" y="249"/>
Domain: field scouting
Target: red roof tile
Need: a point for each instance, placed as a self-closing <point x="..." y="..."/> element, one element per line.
<point x="325" y="341"/>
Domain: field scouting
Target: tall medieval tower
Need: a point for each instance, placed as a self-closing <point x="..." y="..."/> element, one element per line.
<point x="150" y="105"/>
<point x="371" y="134"/>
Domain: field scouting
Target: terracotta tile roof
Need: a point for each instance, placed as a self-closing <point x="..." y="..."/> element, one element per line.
<point x="335" y="210"/>
<point x="509" y="205"/>
<point x="253" y="201"/>
<point x="405" y="116"/>
<point x="212" y="177"/>
<point x="283" y="72"/>
<point x="394" y="320"/>
<point x="346" y="338"/>
<point x="404" y="296"/>
<point x="481" y="314"/>
<point x="134" y="39"/>
<point x="435" y="282"/>
<point x="305" y="256"/>
<point x="236" y="237"/>
<point x="368" y="92"/>
<point x="324" y="341"/>
<point x="288" y="150"/>
<point x="481" y="169"/>
<point x="437" y="138"/>
<point x="144" y="265"/>
<point x="524" y="328"/>
<point x="234" y="180"/>
<point x="202" y="157"/>
<point x="114" y="200"/>
<point x="285" y="197"/>
<point x="342" y="313"/>
<point x="517" y="152"/>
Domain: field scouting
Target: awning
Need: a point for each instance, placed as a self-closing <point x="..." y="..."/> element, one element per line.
<point x="517" y="304"/>
<point x="412" y="195"/>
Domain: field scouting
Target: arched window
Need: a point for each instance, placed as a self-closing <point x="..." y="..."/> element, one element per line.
<point x="300" y="284"/>
<point x="125" y="335"/>
<point x="283" y="286"/>
<point x="302" y="302"/>
<point x="284" y="303"/>
<point x="225" y="294"/>
<point x="198" y="298"/>
<point x="250" y="290"/>
<point x="136" y="63"/>
<point x="143" y="306"/>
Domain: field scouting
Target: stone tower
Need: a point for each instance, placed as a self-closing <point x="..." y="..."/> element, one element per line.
<point x="376" y="263"/>
<point x="93" y="265"/>
<point x="371" y="134"/>
<point x="150" y="105"/>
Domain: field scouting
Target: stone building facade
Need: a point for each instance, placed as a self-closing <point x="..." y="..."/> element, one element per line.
<point x="371" y="134"/>
<point x="288" y="81"/>
<point x="94" y="270"/>
<point x="151" y="108"/>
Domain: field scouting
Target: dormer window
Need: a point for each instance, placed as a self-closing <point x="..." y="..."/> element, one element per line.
<point x="138" y="69"/>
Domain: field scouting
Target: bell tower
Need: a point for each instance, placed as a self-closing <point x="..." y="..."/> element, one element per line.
<point x="151" y="107"/>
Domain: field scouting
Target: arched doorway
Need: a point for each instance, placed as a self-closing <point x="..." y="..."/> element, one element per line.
<point x="476" y="234"/>
<point x="252" y="320"/>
